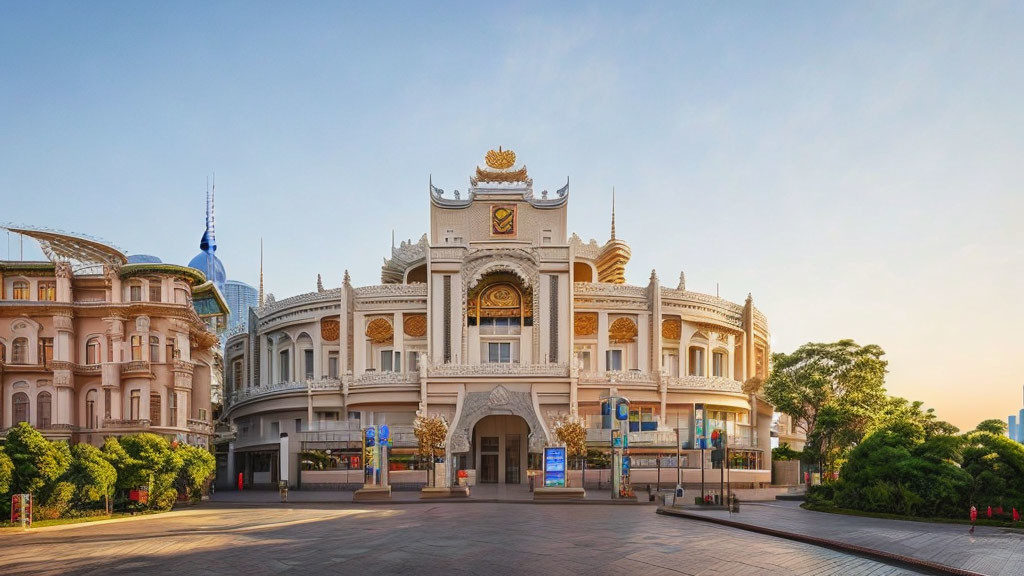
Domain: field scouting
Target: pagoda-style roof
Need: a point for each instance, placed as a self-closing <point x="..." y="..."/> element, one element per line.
<point x="500" y="175"/>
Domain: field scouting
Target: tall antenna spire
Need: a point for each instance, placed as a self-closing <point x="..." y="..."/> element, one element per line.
<point x="209" y="241"/>
<point x="261" y="273"/>
<point x="613" y="212"/>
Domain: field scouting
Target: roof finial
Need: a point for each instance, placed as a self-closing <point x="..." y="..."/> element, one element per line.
<point x="319" y="283"/>
<point x="613" y="212"/>
<point x="260" y="302"/>
<point x="209" y="241"/>
<point x="346" y="280"/>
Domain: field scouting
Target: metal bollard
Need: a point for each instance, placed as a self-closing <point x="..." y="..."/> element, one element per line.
<point x="283" y="488"/>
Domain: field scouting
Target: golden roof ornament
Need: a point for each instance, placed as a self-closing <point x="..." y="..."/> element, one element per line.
<point x="500" y="160"/>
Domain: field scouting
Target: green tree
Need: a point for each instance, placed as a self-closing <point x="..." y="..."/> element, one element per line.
<point x="6" y="472"/>
<point x="197" y="467"/>
<point x="993" y="426"/>
<point x="93" y="476"/>
<point x="784" y="453"/>
<point x="996" y="465"/>
<point x="833" y="390"/>
<point x="38" y="463"/>
<point x="145" y="460"/>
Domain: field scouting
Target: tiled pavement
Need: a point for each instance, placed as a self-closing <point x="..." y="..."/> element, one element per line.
<point x="441" y="538"/>
<point x="994" y="551"/>
<point x="483" y="492"/>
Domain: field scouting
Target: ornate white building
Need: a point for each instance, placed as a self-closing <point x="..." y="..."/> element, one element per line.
<point x="503" y="323"/>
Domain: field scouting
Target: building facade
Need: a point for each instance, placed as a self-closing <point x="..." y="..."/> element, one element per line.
<point x="92" y="346"/>
<point x="503" y="323"/>
<point x="239" y="297"/>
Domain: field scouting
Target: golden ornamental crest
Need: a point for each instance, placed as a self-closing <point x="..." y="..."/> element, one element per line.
<point x="500" y="160"/>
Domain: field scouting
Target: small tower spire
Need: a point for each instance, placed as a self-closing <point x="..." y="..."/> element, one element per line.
<point x="209" y="241"/>
<point x="613" y="212"/>
<point x="261" y="274"/>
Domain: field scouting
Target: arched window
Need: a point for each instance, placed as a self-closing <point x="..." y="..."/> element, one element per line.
<point x="90" y="409"/>
<point x="19" y="408"/>
<point x="3" y="352"/>
<point x="92" y="351"/>
<point x="47" y="290"/>
<point x="19" y="351"/>
<point x="20" y="291"/>
<point x="154" y="349"/>
<point x="43" y="410"/>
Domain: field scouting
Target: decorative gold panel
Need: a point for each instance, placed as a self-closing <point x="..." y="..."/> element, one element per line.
<point x="500" y="297"/>
<point x="622" y="331"/>
<point x="585" y="323"/>
<point x="671" y="328"/>
<point x="380" y="331"/>
<point x="330" y="329"/>
<point x="415" y="325"/>
<point x="503" y="220"/>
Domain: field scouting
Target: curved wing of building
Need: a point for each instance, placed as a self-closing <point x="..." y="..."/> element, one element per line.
<point x="502" y="323"/>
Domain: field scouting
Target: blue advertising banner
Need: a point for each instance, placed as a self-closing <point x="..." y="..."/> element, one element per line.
<point x="554" y="467"/>
<point x="622" y="411"/>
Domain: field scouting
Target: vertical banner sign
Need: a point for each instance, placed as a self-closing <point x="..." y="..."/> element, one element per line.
<point x="698" y="427"/>
<point x="554" y="467"/>
<point x="622" y="411"/>
<point x="384" y="439"/>
<point x="369" y="455"/>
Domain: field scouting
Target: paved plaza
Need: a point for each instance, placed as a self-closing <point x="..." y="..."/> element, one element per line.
<point x="990" y="550"/>
<point x="441" y="538"/>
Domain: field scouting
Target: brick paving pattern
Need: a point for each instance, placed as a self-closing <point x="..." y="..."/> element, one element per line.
<point x="436" y="538"/>
<point x="994" y="551"/>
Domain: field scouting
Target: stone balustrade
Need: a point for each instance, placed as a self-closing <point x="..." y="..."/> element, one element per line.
<point x="123" y="423"/>
<point x="624" y="377"/>
<point x="712" y="383"/>
<point x="283" y="387"/>
<point x="135" y="366"/>
<point x="386" y="378"/>
<point x="499" y="369"/>
<point x="199" y="426"/>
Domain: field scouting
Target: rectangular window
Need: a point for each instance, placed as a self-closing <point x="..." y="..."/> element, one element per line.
<point x="413" y="361"/>
<point x="135" y="293"/>
<point x="613" y="360"/>
<point x="670" y="361"/>
<point x="106" y="403"/>
<point x="499" y="352"/>
<point x="696" y="362"/>
<point x="90" y="414"/>
<point x="284" y="365"/>
<point x="583" y="357"/>
<point x="307" y="360"/>
<point x="92" y="352"/>
<point x="172" y="408"/>
<point x="170" y="351"/>
<point x="236" y="374"/>
<point x="332" y="365"/>
<point x="718" y="364"/>
<point x="45" y="350"/>
<point x="298" y="424"/>
<point x="500" y="326"/>
<point x="154" y="349"/>
<point x="20" y="291"/>
<point x="155" y="293"/>
<point x="134" y="404"/>
<point x="386" y="361"/>
<point x="47" y="291"/>
<point x="136" y="348"/>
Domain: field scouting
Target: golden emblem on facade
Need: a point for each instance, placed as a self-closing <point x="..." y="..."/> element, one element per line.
<point x="500" y="160"/>
<point x="330" y="329"/>
<point x="671" y="328"/>
<point x="585" y="323"/>
<point x="380" y="331"/>
<point x="503" y="220"/>
<point x="622" y="331"/>
<point x="415" y="325"/>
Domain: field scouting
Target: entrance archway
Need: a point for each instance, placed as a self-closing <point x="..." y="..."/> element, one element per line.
<point x="500" y="446"/>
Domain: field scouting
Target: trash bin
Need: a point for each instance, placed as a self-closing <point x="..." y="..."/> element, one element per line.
<point x="282" y="486"/>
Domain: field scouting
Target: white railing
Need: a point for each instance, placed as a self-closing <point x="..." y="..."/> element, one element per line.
<point x="283" y="387"/>
<point x="499" y="369"/>
<point x="713" y="383"/>
<point x="386" y="378"/>
<point x="625" y="377"/>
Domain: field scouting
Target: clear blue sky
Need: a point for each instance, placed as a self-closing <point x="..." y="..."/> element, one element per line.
<point x="857" y="168"/>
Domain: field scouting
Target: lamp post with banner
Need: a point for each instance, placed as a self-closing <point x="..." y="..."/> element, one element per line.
<point x="620" y="443"/>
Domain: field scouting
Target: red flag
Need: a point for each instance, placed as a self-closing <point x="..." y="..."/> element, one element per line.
<point x="1016" y="515"/>
<point x="974" y="514"/>
<point x="989" y="511"/>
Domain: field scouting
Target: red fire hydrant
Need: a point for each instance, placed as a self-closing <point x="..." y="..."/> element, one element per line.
<point x="239" y="481"/>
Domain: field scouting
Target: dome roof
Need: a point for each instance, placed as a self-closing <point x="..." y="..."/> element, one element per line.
<point x="144" y="259"/>
<point x="208" y="263"/>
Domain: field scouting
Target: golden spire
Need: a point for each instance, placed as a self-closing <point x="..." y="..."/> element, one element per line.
<point x="261" y="274"/>
<point x="613" y="212"/>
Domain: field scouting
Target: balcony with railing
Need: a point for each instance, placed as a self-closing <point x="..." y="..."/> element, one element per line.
<point x="323" y="384"/>
<point x="499" y="369"/>
<point x="373" y="378"/>
<point x="136" y="368"/>
<point x="199" y="426"/>
<point x="126" y="423"/>
<point x="712" y="383"/>
<point x="634" y="378"/>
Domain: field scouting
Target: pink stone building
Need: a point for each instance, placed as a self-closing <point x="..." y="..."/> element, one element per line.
<point x="92" y="346"/>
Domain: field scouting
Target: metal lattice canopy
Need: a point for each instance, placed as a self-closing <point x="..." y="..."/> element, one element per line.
<point x="85" y="252"/>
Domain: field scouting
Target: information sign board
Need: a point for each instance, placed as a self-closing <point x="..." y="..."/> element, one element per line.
<point x="554" y="467"/>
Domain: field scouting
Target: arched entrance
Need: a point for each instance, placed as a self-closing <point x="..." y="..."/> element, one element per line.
<point x="500" y="446"/>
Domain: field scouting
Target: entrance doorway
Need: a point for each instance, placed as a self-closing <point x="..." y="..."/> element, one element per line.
<point x="498" y="443"/>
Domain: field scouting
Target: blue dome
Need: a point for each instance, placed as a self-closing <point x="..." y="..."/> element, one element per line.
<point x="209" y="264"/>
<point x="143" y="259"/>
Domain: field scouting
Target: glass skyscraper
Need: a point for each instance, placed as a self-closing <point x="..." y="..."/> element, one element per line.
<point x="240" y="297"/>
